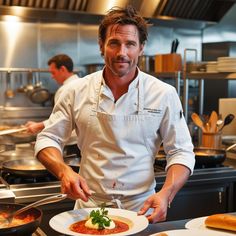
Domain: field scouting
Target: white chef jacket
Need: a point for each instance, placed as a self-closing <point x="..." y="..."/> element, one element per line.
<point x="161" y="103"/>
<point x="58" y="93"/>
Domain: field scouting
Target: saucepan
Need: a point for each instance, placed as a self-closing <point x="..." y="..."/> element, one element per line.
<point x="26" y="221"/>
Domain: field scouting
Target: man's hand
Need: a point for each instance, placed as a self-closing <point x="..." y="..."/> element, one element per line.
<point x="159" y="203"/>
<point x="34" y="127"/>
<point x="74" y="185"/>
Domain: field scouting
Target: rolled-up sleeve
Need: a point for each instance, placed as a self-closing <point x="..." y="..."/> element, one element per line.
<point x="59" y="125"/>
<point x="177" y="141"/>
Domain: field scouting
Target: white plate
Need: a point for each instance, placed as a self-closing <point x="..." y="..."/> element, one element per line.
<point x="62" y="221"/>
<point x="199" y="223"/>
<point x="189" y="232"/>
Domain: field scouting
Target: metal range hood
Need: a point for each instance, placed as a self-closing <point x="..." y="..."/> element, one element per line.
<point x="175" y="13"/>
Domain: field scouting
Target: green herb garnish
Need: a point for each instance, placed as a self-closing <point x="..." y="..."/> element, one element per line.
<point x="100" y="217"/>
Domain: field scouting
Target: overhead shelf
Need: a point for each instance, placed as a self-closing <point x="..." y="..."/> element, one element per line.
<point x="207" y="75"/>
<point x="201" y="76"/>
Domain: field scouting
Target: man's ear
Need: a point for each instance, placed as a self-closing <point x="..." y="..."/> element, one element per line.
<point x="101" y="46"/>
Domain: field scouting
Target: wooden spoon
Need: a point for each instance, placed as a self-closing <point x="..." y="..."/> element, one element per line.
<point x="198" y="121"/>
<point x="213" y="122"/>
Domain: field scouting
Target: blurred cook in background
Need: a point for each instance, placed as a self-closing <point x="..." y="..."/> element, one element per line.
<point x="61" y="69"/>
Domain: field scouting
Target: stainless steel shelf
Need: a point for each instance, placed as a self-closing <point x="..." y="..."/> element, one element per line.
<point x="201" y="76"/>
<point x="207" y="75"/>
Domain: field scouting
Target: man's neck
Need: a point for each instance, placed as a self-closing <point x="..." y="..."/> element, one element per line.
<point x="118" y="85"/>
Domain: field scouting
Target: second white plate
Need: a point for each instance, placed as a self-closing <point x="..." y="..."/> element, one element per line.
<point x="199" y="223"/>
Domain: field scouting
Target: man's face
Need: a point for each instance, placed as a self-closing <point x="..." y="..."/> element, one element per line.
<point x="121" y="49"/>
<point x="56" y="73"/>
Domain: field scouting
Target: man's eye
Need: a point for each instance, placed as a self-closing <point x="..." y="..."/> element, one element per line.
<point x="113" y="43"/>
<point x="131" y="44"/>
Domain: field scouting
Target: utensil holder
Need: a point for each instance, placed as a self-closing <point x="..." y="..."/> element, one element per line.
<point x="211" y="140"/>
<point x="168" y="63"/>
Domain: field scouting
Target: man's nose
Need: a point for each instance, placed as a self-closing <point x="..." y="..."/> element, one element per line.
<point x="122" y="50"/>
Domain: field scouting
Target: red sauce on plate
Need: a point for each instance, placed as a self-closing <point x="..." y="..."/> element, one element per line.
<point x="79" y="227"/>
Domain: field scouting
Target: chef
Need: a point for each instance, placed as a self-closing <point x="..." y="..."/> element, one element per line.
<point x="121" y="116"/>
<point x="61" y="69"/>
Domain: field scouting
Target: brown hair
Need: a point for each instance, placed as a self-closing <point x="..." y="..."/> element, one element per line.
<point x="62" y="60"/>
<point x="124" y="16"/>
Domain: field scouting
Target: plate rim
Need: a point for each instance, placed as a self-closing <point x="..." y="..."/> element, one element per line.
<point x="116" y="211"/>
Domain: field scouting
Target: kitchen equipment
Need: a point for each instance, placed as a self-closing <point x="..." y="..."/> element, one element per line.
<point x="39" y="94"/>
<point x="213" y="122"/>
<point x="227" y="106"/>
<point x="47" y="200"/>
<point x="9" y="91"/>
<point x="24" y="229"/>
<point x="168" y="63"/>
<point x="209" y="156"/>
<point x="11" y="131"/>
<point x="211" y="140"/>
<point x="174" y="46"/>
<point x="21" y="89"/>
<point x="25" y="167"/>
<point x="198" y="121"/>
<point x="228" y="119"/>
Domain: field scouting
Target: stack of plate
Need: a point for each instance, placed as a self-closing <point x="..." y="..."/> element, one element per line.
<point x="226" y="64"/>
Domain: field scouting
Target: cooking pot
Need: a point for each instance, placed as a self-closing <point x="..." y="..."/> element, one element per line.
<point x="25" y="167"/>
<point x="23" y="229"/>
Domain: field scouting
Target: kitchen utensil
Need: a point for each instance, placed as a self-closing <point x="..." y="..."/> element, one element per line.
<point x="209" y="156"/>
<point x="172" y="46"/>
<point x="39" y="94"/>
<point x="23" y="229"/>
<point x="47" y="200"/>
<point x="228" y="119"/>
<point x="21" y="89"/>
<point x="9" y="92"/>
<point x="25" y="167"/>
<point x="211" y="140"/>
<point x="198" y="121"/>
<point x="176" y="45"/>
<point x="11" y="131"/>
<point x="213" y="122"/>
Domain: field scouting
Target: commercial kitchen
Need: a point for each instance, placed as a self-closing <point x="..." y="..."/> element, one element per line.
<point x="191" y="45"/>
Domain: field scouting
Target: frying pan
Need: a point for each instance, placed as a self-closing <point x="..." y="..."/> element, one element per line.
<point x="25" y="229"/>
<point x="25" y="167"/>
<point x="209" y="156"/>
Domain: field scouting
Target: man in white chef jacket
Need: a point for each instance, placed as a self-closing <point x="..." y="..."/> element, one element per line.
<point x="121" y="116"/>
<point x="61" y="69"/>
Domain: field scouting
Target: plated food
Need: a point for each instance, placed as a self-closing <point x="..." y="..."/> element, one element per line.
<point x="97" y="221"/>
<point x="221" y="221"/>
<point x="200" y="223"/>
